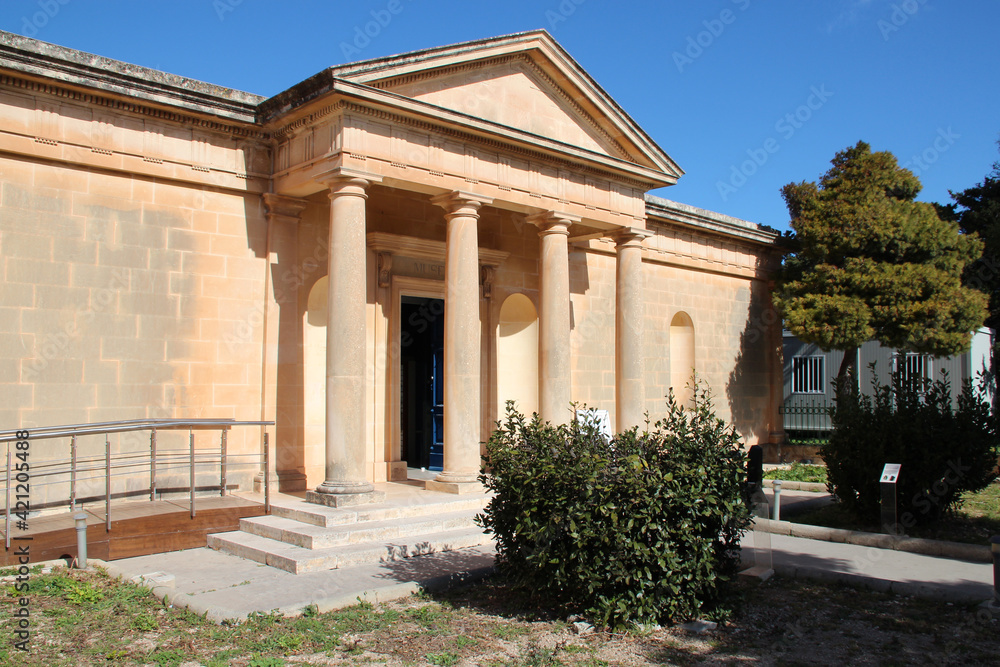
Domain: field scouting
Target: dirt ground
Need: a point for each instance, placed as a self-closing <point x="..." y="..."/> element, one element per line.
<point x="90" y="619"/>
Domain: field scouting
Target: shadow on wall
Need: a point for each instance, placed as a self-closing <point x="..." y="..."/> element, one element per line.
<point x="748" y="387"/>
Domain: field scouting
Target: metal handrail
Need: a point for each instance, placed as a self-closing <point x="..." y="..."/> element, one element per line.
<point x="170" y="457"/>
<point x="132" y="425"/>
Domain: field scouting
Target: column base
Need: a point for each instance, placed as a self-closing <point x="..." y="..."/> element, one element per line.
<point x="460" y="488"/>
<point x="395" y="471"/>
<point x="343" y="488"/>
<point x="344" y="499"/>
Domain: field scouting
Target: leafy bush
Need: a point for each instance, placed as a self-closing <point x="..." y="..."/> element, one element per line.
<point x="944" y="450"/>
<point x="642" y="529"/>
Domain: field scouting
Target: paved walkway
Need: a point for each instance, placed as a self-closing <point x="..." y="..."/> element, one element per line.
<point x="224" y="586"/>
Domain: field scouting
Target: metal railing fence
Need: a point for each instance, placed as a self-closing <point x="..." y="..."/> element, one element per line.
<point x="126" y="463"/>
<point x="807" y="421"/>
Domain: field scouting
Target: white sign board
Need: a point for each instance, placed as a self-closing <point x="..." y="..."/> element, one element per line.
<point x="890" y="473"/>
<point x="599" y="419"/>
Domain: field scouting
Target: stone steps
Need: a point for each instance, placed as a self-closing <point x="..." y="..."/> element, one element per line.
<point x="303" y="537"/>
<point x="319" y="515"/>
<point x="309" y="536"/>
<point x="297" y="560"/>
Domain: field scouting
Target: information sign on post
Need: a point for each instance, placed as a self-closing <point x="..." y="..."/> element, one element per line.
<point x="890" y="475"/>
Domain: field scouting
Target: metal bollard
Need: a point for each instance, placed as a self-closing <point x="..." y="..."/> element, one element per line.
<point x="777" y="499"/>
<point x="995" y="548"/>
<point x="81" y="540"/>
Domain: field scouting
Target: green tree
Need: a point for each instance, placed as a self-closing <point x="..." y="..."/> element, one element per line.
<point x="867" y="261"/>
<point x="977" y="211"/>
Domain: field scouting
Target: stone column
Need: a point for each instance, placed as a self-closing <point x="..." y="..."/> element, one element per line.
<point x="629" y="317"/>
<point x="280" y="309"/>
<point x="553" y="339"/>
<point x="346" y="479"/>
<point x="462" y="344"/>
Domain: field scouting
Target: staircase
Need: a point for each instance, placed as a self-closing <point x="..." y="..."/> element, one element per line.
<point x="301" y="537"/>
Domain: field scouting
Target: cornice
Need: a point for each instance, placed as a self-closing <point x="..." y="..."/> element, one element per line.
<point x="33" y="58"/>
<point x="74" y="95"/>
<point x="666" y="213"/>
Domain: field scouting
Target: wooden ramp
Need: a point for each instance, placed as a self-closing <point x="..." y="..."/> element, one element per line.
<point x="137" y="529"/>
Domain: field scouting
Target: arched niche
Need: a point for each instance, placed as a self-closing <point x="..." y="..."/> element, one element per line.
<point x="314" y="379"/>
<point x="517" y="355"/>
<point x="682" y="361"/>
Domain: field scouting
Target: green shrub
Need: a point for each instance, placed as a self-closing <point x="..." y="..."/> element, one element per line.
<point x="643" y="529"/>
<point x="944" y="450"/>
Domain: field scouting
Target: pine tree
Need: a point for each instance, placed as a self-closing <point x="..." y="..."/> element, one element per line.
<point x="977" y="211"/>
<point x="866" y="261"/>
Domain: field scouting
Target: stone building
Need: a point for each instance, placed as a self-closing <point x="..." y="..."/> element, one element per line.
<point x="377" y="258"/>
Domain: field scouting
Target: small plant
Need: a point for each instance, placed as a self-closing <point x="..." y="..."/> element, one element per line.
<point x="260" y="661"/>
<point x="170" y="658"/>
<point x="442" y="659"/>
<point x="144" y="622"/>
<point x="427" y="615"/>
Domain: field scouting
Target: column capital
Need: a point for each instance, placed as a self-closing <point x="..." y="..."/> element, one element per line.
<point x="345" y="181"/>
<point x="630" y="237"/>
<point x="553" y="222"/>
<point x="280" y="208"/>
<point x="460" y="202"/>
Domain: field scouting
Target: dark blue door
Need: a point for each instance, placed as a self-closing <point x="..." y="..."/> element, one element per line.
<point x="437" y="411"/>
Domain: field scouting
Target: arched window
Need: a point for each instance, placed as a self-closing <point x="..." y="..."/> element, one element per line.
<point x="517" y="355"/>
<point x="682" y="362"/>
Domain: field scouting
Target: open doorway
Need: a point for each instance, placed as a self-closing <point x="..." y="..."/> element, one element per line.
<point x="421" y="376"/>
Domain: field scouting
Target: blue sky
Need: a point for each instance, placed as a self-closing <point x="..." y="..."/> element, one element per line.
<point x="745" y="95"/>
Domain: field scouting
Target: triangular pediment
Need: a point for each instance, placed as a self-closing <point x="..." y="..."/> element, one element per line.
<point x="526" y="82"/>
<point x="513" y="93"/>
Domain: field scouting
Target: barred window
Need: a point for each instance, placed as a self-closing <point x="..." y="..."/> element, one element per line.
<point x="807" y="375"/>
<point x="913" y="367"/>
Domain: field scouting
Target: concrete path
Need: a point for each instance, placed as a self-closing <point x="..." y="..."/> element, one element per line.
<point x="879" y="569"/>
<point x="227" y="587"/>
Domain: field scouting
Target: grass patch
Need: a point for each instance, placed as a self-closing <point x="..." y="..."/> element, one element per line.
<point x="799" y="472"/>
<point x="87" y="618"/>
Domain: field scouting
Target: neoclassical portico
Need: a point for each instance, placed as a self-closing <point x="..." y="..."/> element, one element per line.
<point x="375" y="259"/>
<point x="460" y="179"/>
